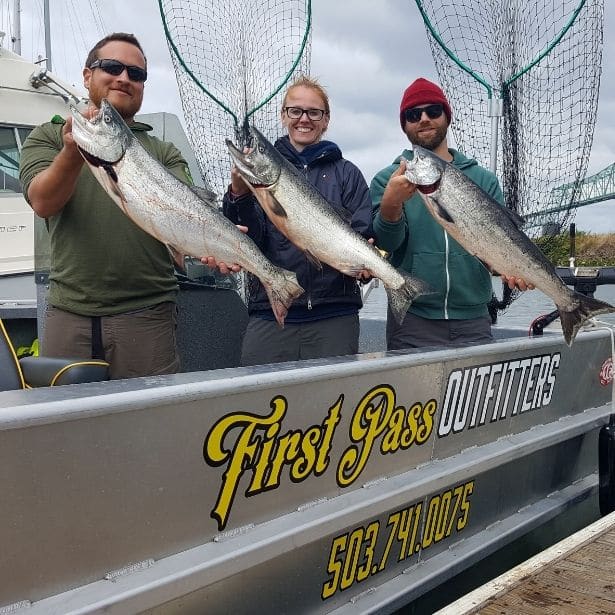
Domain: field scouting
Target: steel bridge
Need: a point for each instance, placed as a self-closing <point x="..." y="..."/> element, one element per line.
<point x="593" y="189"/>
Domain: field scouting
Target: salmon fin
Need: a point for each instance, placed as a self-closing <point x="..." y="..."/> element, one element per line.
<point x="271" y="206"/>
<point x="573" y="320"/>
<point x="282" y="289"/>
<point x="207" y="196"/>
<point x="314" y="260"/>
<point x="107" y="177"/>
<point x="277" y="208"/>
<point x="344" y="214"/>
<point x="442" y="211"/>
<point x="515" y="218"/>
<point x="400" y="299"/>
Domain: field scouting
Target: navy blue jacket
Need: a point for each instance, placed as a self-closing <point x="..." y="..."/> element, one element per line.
<point x="327" y="292"/>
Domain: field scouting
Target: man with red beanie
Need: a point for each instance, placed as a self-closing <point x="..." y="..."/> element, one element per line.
<point x="457" y="311"/>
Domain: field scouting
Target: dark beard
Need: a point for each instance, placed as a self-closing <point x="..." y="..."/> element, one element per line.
<point x="432" y="142"/>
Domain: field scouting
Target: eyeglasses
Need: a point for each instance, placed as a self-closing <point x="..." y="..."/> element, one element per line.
<point x="416" y="113"/>
<point x="295" y="113"/>
<point x="115" y="68"/>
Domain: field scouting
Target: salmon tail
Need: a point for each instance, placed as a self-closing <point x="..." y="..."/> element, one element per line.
<point x="400" y="299"/>
<point x="586" y="307"/>
<point x="282" y="289"/>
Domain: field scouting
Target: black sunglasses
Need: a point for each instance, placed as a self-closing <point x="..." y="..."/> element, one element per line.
<point x="115" y="68"/>
<point x="416" y="113"/>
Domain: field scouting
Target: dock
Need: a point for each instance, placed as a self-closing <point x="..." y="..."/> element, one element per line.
<point x="576" y="575"/>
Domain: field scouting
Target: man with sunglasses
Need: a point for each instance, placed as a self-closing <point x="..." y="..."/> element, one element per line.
<point x="112" y="290"/>
<point x="457" y="312"/>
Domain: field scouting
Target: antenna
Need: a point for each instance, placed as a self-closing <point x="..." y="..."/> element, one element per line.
<point x="16" y="38"/>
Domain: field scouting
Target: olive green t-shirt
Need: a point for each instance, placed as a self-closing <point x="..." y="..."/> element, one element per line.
<point x="101" y="262"/>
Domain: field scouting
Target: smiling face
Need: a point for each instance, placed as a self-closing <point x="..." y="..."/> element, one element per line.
<point x="428" y="133"/>
<point x="125" y="95"/>
<point x="304" y="131"/>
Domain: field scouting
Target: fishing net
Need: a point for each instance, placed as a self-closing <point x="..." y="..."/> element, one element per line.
<point x="539" y="61"/>
<point x="232" y="61"/>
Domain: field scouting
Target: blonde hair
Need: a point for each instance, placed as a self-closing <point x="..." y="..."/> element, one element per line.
<point x="303" y="81"/>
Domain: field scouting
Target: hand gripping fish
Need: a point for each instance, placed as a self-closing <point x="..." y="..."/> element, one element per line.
<point x="306" y="219"/>
<point x="169" y="210"/>
<point x="493" y="234"/>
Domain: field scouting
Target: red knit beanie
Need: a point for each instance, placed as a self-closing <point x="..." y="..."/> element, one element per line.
<point x="422" y="92"/>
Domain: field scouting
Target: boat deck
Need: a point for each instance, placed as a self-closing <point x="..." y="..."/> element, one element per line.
<point x="573" y="576"/>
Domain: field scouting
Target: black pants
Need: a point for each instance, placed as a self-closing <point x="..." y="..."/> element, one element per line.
<point x="265" y="342"/>
<point x="417" y="332"/>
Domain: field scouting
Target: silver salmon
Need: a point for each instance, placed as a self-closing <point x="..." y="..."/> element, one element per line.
<point x="493" y="234"/>
<point x="184" y="218"/>
<point x="306" y="219"/>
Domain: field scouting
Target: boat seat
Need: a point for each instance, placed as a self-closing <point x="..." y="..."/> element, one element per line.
<point x="31" y="372"/>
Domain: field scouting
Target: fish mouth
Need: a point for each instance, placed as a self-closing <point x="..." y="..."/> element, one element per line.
<point x="94" y="160"/>
<point x="428" y="189"/>
<point x="244" y="165"/>
<point x="424" y="170"/>
<point x="88" y="137"/>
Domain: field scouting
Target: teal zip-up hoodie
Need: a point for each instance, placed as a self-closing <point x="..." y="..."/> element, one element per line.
<point x="420" y="246"/>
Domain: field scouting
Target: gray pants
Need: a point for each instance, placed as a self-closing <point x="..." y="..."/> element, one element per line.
<point x="139" y="343"/>
<point x="265" y="342"/>
<point x="417" y="332"/>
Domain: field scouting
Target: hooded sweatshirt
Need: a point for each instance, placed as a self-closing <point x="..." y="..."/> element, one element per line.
<point x="420" y="246"/>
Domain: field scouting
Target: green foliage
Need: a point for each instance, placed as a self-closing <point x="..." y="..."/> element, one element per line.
<point x="591" y="250"/>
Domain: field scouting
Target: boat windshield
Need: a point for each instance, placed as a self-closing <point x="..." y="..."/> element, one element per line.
<point x="11" y="139"/>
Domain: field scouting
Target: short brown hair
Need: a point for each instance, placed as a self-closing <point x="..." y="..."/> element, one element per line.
<point x="308" y="82"/>
<point x="115" y="36"/>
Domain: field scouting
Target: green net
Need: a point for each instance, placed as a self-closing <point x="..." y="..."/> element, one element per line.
<point x="523" y="79"/>
<point x="542" y="58"/>
<point x="233" y="60"/>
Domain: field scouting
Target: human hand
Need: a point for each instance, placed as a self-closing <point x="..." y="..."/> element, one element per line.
<point x="223" y="267"/>
<point x="238" y="184"/>
<point x="398" y="190"/>
<point x="70" y="145"/>
<point x="518" y="283"/>
<point x="364" y="275"/>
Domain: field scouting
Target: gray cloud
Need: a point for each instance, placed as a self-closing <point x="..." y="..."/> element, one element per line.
<point x="364" y="52"/>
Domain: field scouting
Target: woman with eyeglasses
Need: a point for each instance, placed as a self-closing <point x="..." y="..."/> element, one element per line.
<point x="457" y="312"/>
<point x="324" y="321"/>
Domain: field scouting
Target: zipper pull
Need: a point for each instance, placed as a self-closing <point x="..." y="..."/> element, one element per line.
<point x="310" y="303"/>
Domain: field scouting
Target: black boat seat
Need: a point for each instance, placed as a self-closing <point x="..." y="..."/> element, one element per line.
<point x="31" y="372"/>
<point x="56" y="371"/>
<point x="11" y="376"/>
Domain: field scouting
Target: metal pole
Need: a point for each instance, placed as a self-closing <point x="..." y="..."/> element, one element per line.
<point x="16" y="38"/>
<point x="495" y="113"/>
<point x="47" y="34"/>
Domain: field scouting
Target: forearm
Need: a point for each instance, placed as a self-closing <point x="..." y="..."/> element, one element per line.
<point x="245" y="211"/>
<point x="51" y="189"/>
<point x="389" y="235"/>
<point x="391" y="208"/>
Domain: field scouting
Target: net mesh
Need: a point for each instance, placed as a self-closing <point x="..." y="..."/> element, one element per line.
<point x="232" y="60"/>
<point x="542" y="59"/>
<point x="549" y="108"/>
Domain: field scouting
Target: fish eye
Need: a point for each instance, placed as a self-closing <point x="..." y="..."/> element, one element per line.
<point x="107" y="118"/>
<point x="261" y="149"/>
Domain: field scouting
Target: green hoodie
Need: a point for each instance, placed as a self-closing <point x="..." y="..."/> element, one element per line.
<point x="420" y="246"/>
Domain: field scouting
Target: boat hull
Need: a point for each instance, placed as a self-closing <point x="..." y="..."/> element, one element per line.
<point x="356" y="483"/>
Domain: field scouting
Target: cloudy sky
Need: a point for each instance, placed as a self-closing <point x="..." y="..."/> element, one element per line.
<point x="365" y="58"/>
